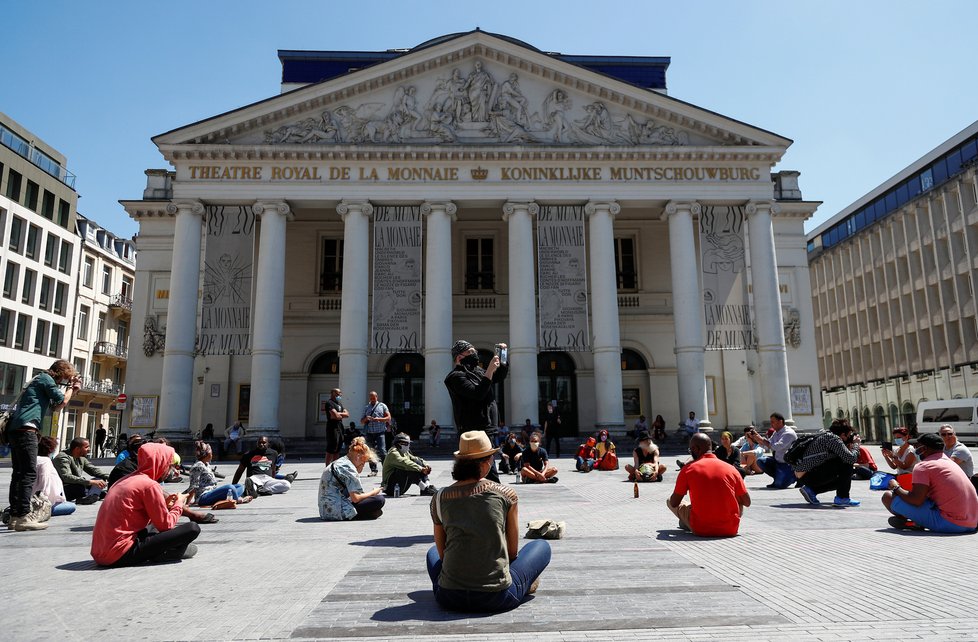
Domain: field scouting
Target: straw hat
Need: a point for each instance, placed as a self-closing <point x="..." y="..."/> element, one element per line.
<point x="474" y="444"/>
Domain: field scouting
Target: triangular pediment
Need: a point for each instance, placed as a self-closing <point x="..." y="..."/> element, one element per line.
<point x="474" y="89"/>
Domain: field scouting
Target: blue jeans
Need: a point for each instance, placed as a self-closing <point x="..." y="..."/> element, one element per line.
<point x="584" y="464"/>
<point x="783" y="474"/>
<point x="221" y="492"/>
<point x="927" y="515"/>
<point x="64" y="508"/>
<point x="377" y="441"/>
<point x="526" y="568"/>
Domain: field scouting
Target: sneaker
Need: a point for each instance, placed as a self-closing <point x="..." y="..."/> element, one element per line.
<point x="429" y="490"/>
<point x="845" y="501"/>
<point x="809" y="495"/>
<point x="87" y="499"/>
<point x="26" y="523"/>
<point x="373" y="473"/>
<point x="899" y="523"/>
<point x="190" y="552"/>
<point x="552" y="480"/>
<point x="291" y="477"/>
<point x="533" y="587"/>
<point x="680" y="464"/>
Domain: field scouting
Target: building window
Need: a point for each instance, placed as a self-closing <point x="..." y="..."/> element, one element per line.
<point x="100" y="327"/>
<point x="40" y="336"/>
<point x="926" y="180"/>
<point x="16" y="234"/>
<point x="5" y="316"/>
<point x="47" y="205"/>
<point x="106" y="279"/>
<point x="50" y="249"/>
<point x="13" y="185"/>
<point x="61" y="293"/>
<point x="30" y="248"/>
<point x="10" y="280"/>
<point x="64" y="258"/>
<point x="88" y="272"/>
<point x="44" y="299"/>
<point x="11" y="381"/>
<point x="331" y="275"/>
<point x="27" y="292"/>
<point x="479" y="273"/>
<point x="20" y="332"/>
<point x="30" y="196"/>
<point x="83" y="313"/>
<point x="54" y="347"/>
<point x="127" y="287"/>
<point x="63" y="208"/>
<point x="3" y="224"/>
<point x="122" y="334"/>
<point x="79" y="364"/>
<point x="625" y="263"/>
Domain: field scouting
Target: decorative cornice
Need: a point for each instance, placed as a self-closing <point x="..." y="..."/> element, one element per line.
<point x="194" y="207"/>
<point x="346" y="207"/>
<point x="273" y="207"/>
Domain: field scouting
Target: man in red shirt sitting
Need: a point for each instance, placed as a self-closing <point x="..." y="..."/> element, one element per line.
<point x="716" y="490"/>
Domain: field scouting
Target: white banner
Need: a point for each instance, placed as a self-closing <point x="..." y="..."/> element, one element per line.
<point x="725" y="307"/>
<point x="562" y="275"/>
<point x="225" y="315"/>
<point x="397" y="279"/>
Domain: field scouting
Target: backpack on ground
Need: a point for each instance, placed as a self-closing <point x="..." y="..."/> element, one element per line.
<point x="797" y="450"/>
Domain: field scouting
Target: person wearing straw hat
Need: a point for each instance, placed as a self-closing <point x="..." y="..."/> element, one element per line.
<point x="476" y="564"/>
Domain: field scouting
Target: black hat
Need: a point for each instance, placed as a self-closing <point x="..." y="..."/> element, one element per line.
<point x="931" y="440"/>
<point x="459" y="347"/>
<point x="644" y="436"/>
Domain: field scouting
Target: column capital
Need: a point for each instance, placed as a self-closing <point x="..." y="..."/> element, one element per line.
<point x="194" y="207"/>
<point x="753" y="207"/>
<point x="674" y="207"/>
<point x="439" y="206"/>
<point x="272" y="207"/>
<point x="511" y="207"/>
<point x="593" y="207"/>
<point x="363" y="207"/>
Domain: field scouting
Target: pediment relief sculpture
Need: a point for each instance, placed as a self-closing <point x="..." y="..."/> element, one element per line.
<point x="477" y="108"/>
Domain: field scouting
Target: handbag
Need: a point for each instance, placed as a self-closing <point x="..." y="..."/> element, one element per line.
<point x="40" y="507"/>
<point x="880" y="481"/>
<point x="544" y="529"/>
<point x="225" y="504"/>
<point x="8" y="414"/>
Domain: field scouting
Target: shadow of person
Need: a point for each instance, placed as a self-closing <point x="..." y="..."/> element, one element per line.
<point x="397" y="542"/>
<point x="312" y="520"/>
<point x="803" y="505"/>
<point x="82" y="529"/>
<point x="421" y="608"/>
<point x="679" y="535"/>
<point x="84" y="565"/>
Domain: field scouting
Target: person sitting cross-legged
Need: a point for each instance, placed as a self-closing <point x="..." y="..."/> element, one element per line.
<point x="121" y="537"/>
<point x="260" y="465"/>
<point x="341" y="495"/>
<point x="586" y="455"/>
<point x="402" y="468"/>
<point x="942" y="499"/>
<point x="717" y="494"/>
<point x="645" y="466"/>
<point x="536" y="464"/>
<point x="476" y="564"/>
<point x="203" y="482"/>
<point x="48" y="482"/>
<point x="72" y="464"/>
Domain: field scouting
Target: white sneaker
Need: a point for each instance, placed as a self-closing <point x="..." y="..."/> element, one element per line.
<point x="26" y="523"/>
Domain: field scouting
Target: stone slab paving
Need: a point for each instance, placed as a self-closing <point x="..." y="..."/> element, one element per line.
<point x="273" y="570"/>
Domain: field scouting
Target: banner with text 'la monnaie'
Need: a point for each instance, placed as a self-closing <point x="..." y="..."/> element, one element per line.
<point x="397" y="279"/>
<point x="225" y="315"/>
<point x="562" y="278"/>
<point x="727" y="312"/>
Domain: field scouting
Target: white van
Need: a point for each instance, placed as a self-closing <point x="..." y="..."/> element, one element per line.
<point x="961" y="414"/>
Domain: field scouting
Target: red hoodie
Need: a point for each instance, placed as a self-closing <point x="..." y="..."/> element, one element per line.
<point x="134" y="501"/>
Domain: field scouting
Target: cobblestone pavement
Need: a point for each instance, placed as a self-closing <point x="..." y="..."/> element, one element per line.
<point x="273" y="570"/>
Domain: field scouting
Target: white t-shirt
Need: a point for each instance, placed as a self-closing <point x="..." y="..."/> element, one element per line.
<point x="961" y="451"/>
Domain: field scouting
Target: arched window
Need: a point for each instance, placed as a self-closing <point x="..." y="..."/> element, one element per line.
<point x="880" y="423"/>
<point x="827" y="420"/>
<point x="894" y="416"/>
<point x="854" y="418"/>
<point x="840" y="414"/>
<point x="867" y="419"/>
<point x="328" y="363"/>
<point x="631" y="360"/>
<point x="909" y="415"/>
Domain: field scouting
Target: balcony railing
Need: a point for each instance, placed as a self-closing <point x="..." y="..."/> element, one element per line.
<point x="109" y="349"/>
<point x="121" y="301"/>
<point x="102" y="386"/>
<point x="36" y="156"/>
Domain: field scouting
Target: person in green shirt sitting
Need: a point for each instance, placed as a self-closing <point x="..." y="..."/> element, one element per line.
<point x="402" y="468"/>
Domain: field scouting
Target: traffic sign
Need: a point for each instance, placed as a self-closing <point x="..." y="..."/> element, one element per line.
<point x="122" y="398"/>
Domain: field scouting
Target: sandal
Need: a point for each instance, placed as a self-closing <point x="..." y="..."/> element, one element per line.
<point x="245" y="499"/>
<point x="208" y="519"/>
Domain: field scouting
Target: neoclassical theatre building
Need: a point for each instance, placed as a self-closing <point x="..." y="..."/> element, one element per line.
<point x="638" y="254"/>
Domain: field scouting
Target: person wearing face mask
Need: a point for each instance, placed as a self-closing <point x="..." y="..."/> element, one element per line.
<point x="402" y="468"/>
<point x="41" y="396"/>
<point x="645" y="466"/>
<point x="942" y="498"/>
<point x="717" y="494"/>
<point x="471" y="390"/>
<point x="536" y="464"/>
<point x="902" y="457"/>
<point x="510" y="456"/>
<point x="334" y="425"/>
<point x="586" y="455"/>
<point x="607" y="457"/>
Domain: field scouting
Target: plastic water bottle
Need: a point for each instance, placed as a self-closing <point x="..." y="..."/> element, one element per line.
<point x="230" y="495"/>
<point x="397" y="490"/>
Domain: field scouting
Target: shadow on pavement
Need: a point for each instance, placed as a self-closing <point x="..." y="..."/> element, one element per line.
<point x="310" y="520"/>
<point x="82" y="529"/>
<point x="397" y="542"/>
<point x="424" y="608"/>
<point x="803" y="505"/>
<point x="84" y="565"/>
<point x="679" y="535"/>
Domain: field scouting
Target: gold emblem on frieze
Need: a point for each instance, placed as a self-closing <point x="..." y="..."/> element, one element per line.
<point x="479" y="173"/>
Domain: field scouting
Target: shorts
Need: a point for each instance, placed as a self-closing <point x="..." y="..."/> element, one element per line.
<point x="334" y="439"/>
<point x="927" y="515"/>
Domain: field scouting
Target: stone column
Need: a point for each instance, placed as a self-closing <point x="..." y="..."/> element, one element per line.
<point x="606" y="348"/>
<point x="522" y="400"/>
<point x="181" y="321"/>
<point x="354" y="301"/>
<point x="268" y="310"/>
<point x="687" y="311"/>
<point x="767" y="309"/>
<point x="438" y="312"/>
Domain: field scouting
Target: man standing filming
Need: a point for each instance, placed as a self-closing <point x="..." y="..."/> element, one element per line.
<point x="375" y="419"/>
<point x="716" y="490"/>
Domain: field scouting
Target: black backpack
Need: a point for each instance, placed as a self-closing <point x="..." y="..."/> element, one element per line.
<point x="798" y="449"/>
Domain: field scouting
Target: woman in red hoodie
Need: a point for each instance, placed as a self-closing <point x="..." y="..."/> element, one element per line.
<point x="121" y="538"/>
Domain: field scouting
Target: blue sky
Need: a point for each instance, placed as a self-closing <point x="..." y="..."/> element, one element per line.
<point x="863" y="87"/>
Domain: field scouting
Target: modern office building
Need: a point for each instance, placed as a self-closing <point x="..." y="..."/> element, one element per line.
<point x="100" y="343"/>
<point x="38" y="258"/>
<point x="893" y="280"/>
<point x="637" y="253"/>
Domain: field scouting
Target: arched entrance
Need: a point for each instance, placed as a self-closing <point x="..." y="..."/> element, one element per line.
<point x="324" y="375"/>
<point x="634" y="386"/>
<point x="557" y="381"/>
<point x="404" y="391"/>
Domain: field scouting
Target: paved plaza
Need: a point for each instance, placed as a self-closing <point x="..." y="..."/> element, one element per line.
<point x="273" y="570"/>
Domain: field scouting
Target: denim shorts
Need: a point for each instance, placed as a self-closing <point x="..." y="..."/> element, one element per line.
<point x="928" y="516"/>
